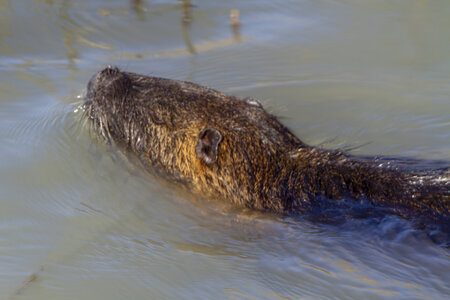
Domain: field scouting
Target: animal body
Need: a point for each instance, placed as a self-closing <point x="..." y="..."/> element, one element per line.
<point x="231" y="148"/>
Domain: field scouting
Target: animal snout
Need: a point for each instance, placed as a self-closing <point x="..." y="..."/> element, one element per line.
<point x="110" y="80"/>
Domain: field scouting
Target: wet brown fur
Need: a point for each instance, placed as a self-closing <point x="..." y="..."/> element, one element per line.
<point x="257" y="162"/>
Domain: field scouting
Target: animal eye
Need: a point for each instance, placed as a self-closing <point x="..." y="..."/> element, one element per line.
<point x="253" y="101"/>
<point x="156" y="118"/>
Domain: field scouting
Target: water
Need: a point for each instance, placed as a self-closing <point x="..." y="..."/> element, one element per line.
<point x="373" y="75"/>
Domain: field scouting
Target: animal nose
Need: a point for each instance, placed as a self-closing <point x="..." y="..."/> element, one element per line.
<point x="109" y="72"/>
<point x="106" y="75"/>
<point x="110" y="78"/>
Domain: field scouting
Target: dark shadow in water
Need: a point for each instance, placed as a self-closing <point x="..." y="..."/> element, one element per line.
<point x="187" y="21"/>
<point x="235" y="24"/>
<point x="186" y="24"/>
<point x="138" y="7"/>
<point x="353" y="215"/>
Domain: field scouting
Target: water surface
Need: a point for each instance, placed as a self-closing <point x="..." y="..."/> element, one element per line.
<point x="369" y="75"/>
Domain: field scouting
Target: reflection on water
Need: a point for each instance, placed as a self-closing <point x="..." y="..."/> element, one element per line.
<point x="90" y="224"/>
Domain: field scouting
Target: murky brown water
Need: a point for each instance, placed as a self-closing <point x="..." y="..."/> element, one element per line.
<point x="341" y="73"/>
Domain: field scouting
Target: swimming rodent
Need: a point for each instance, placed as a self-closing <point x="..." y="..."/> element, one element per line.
<point x="231" y="148"/>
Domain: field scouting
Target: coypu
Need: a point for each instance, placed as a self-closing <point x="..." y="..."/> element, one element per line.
<point x="232" y="148"/>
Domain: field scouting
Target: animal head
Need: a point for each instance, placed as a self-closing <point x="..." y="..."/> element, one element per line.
<point x="190" y="131"/>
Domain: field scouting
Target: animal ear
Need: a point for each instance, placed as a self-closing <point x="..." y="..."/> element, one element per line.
<point x="208" y="141"/>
